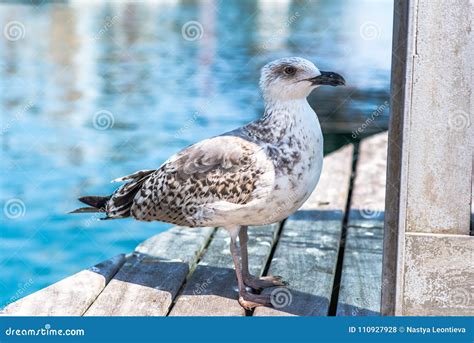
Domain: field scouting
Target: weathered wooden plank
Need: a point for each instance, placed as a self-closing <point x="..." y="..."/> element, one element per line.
<point x="360" y="289"/>
<point x="333" y="188"/>
<point x="306" y="253"/>
<point x="177" y="244"/>
<point x="438" y="275"/>
<point x="212" y="288"/>
<point x="144" y="286"/>
<point x="361" y="280"/>
<point x="68" y="297"/>
<point x="368" y="193"/>
<point x="151" y="277"/>
<point x="305" y="257"/>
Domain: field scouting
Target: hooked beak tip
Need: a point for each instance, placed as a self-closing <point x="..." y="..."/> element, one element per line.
<point x="328" y="78"/>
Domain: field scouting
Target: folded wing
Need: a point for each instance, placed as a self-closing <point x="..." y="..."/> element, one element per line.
<point x="223" y="168"/>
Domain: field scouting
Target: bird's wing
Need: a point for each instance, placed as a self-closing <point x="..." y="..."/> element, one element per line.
<point x="223" y="168"/>
<point x="135" y="176"/>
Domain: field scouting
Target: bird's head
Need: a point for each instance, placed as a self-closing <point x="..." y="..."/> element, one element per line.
<point x="294" y="78"/>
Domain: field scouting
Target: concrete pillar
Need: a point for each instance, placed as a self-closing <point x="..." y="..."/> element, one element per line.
<point x="428" y="252"/>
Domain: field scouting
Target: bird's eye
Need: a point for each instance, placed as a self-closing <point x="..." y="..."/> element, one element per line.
<point x="289" y="70"/>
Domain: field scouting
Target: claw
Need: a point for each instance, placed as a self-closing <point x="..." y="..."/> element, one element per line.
<point x="264" y="282"/>
<point x="249" y="300"/>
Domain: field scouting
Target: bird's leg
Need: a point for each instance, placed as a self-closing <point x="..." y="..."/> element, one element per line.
<point x="246" y="299"/>
<point x="249" y="279"/>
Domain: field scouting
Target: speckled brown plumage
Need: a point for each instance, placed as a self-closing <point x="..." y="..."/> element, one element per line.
<point x="220" y="168"/>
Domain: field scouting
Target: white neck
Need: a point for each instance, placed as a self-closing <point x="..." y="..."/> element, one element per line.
<point x="288" y="117"/>
<point x="290" y="111"/>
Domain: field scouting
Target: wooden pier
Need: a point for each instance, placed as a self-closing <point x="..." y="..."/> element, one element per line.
<point x="330" y="252"/>
<point x="348" y="251"/>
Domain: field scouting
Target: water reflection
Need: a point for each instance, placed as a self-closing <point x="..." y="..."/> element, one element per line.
<point x="92" y="92"/>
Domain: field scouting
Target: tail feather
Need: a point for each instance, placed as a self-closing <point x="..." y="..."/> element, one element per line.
<point x="95" y="201"/>
<point x="135" y="176"/>
<point x="118" y="204"/>
<point x="98" y="204"/>
<point x="85" y="210"/>
<point x="124" y="198"/>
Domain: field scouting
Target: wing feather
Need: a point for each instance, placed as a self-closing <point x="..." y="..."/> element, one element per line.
<point x="223" y="168"/>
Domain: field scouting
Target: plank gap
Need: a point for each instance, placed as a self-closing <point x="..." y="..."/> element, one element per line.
<point x="249" y="313"/>
<point x="340" y="257"/>
<point x="191" y="271"/>
<point x="106" y="283"/>
<point x="272" y="251"/>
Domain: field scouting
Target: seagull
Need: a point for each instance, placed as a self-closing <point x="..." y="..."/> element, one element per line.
<point x="257" y="174"/>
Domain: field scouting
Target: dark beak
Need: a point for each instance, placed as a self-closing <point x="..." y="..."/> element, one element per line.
<point x="328" y="78"/>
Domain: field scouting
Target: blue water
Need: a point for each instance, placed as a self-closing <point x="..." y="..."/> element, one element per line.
<point x="95" y="91"/>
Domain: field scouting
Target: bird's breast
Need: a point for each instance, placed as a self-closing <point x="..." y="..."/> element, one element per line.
<point x="297" y="161"/>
